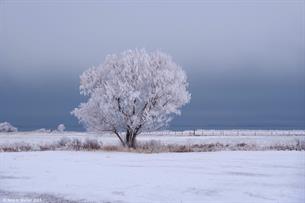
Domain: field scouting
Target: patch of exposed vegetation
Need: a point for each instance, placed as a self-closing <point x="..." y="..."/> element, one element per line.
<point x="152" y="146"/>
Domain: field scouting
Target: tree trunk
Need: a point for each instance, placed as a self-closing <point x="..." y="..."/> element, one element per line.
<point x="133" y="141"/>
<point x="130" y="139"/>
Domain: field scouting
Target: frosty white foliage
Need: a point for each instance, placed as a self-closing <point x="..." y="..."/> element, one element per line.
<point x="43" y="130"/>
<point x="61" y="127"/>
<point x="132" y="91"/>
<point x="7" y="127"/>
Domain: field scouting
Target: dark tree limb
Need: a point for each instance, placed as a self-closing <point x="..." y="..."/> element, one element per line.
<point x="118" y="135"/>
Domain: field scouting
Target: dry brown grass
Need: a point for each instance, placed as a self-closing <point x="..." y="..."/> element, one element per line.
<point x="152" y="146"/>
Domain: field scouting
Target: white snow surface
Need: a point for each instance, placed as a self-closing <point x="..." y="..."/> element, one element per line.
<point x="266" y="176"/>
<point x="262" y="138"/>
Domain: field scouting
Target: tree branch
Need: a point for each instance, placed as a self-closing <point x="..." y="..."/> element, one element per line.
<point x="118" y="135"/>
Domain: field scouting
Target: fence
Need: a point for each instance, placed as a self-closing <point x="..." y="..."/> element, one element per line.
<point x="202" y="132"/>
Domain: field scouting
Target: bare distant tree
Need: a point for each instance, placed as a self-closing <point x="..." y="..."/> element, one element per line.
<point x="7" y="127"/>
<point x="61" y="128"/>
<point x="131" y="92"/>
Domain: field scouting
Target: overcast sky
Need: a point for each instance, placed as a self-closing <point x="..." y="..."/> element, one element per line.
<point x="244" y="59"/>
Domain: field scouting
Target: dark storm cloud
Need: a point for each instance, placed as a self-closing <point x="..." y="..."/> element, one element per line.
<point x="244" y="59"/>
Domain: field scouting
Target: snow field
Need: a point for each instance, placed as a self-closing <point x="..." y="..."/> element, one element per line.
<point x="270" y="176"/>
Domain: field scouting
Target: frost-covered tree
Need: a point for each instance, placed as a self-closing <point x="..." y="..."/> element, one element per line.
<point x="43" y="130"/>
<point x="132" y="92"/>
<point x="7" y="127"/>
<point x="61" y="127"/>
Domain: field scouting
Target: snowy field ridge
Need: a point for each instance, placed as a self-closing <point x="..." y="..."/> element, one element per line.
<point x="43" y="141"/>
<point x="233" y="132"/>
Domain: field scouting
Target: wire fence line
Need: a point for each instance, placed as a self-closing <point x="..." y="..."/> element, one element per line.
<point x="203" y="132"/>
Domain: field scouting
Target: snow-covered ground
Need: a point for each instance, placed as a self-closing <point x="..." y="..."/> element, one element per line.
<point x="269" y="176"/>
<point x="262" y="139"/>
